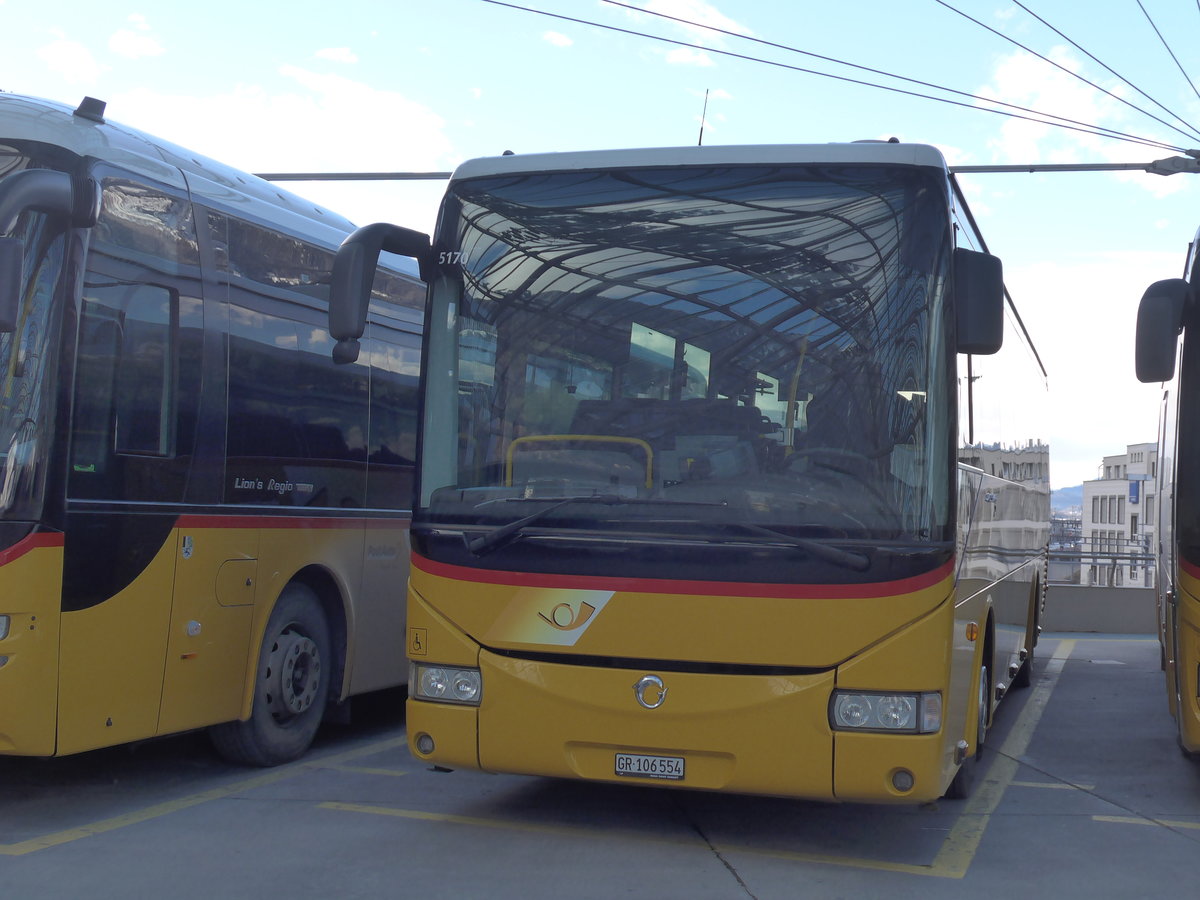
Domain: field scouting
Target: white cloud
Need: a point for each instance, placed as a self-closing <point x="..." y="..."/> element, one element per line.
<point x="699" y="12"/>
<point x="697" y="19"/>
<point x="557" y="39"/>
<point x="326" y="123"/>
<point x="1026" y="81"/>
<point x="135" y="42"/>
<point x="1097" y="405"/>
<point x="338" y="54"/>
<point x="71" y="60"/>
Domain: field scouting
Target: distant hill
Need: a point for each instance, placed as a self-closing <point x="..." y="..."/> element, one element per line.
<point x="1067" y="498"/>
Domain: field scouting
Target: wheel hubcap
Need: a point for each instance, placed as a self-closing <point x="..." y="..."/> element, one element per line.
<point x="293" y="675"/>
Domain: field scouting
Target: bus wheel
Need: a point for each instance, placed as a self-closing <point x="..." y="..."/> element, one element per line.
<point x="1024" y="676"/>
<point x="960" y="787"/>
<point x="293" y="672"/>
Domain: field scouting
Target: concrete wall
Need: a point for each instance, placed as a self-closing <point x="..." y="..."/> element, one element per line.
<point x="1071" y="607"/>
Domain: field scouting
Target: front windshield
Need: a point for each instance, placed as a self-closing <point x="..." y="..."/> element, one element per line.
<point x="28" y="356"/>
<point x="740" y="353"/>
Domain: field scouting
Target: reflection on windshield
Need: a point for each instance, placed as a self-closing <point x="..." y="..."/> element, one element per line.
<point x="27" y="360"/>
<point x="761" y="341"/>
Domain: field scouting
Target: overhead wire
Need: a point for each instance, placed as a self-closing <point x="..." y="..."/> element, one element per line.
<point x="1110" y="69"/>
<point x="1063" y="68"/>
<point x="886" y="74"/>
<point x="1186" y="77"/>
<point x="1047" y="118"/>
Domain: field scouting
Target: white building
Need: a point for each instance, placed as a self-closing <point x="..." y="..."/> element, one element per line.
<point x="1118" y="520"/>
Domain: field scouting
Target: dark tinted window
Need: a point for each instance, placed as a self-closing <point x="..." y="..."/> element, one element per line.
<point x="297" y="423"/>
<point x="137" y="370"/>
<point x="395" y="360"/>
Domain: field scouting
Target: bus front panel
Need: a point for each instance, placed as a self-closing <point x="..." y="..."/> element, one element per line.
<point x="576" y="710"/>
<point x="29" y="637"/>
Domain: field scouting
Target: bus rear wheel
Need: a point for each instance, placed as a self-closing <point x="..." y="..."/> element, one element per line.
<point x="291" y="687"/>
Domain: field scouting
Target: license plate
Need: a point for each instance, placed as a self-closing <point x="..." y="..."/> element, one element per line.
<point x="638" y="765"/>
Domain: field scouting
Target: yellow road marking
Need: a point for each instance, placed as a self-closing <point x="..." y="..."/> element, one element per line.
<point x="952" y="860"/>
<point x="1054" y="785"/>
<point x="591" y="834"/>
<point x="367" y="770"/>
<point x="161" y="809"/>
<point x="1139" y="820"/>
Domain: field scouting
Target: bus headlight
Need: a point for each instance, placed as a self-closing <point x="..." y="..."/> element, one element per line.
<point x="446" y="684"/>
<point x="4" y="626"/>
<point x="889" y="712"/>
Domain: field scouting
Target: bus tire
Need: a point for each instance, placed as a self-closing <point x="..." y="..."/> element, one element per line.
<point x="291" y="689"/>
<point x="1024" y="676"/>
<point x="964" y="779"/>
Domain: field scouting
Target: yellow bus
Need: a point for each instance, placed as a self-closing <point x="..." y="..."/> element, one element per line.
<point x="1167" y="310"/>
<point x="729" y="475"/>
<point x="203" y="520"/>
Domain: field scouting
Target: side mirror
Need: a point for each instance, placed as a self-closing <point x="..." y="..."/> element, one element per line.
<point x="12" y="257"/>
<point x="978" y="301"/>
<point x="56" y="193"/>
<point x="1159" y="322"/>
<point x="353" y="273"/>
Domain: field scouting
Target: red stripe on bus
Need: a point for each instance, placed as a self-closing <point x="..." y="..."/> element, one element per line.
<point x="311" y="522"/>
<point x="671" y="586"/>
<point x="1189" y="568"/>
<point x="32" y="542"/>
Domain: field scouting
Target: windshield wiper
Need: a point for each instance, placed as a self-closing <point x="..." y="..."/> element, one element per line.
<point x="858" y="562"/>
<point x="505" y="533"/>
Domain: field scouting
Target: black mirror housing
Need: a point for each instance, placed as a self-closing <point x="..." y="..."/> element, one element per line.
<point x="353" y="273"/>
<point x="978" y="301"/>
<point x="12" y="257"/>
<point x="1159" y="322"/>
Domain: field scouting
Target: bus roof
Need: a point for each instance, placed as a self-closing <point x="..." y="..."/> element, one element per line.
<point x="210" y="182"/>
<point x="866" y="152"/>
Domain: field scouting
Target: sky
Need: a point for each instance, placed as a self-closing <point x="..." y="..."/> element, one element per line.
<point x="420" y="86"/>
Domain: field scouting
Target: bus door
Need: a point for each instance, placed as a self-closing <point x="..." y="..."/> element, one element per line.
<point x="135" y="412"/>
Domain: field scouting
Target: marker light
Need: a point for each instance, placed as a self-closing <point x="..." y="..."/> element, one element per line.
<point x="446" y="684"/>
<point x="905" y="713"/>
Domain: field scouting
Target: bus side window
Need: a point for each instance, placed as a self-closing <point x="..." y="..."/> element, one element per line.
<point x="145" y="395"/>
<point x="136" y="384"/>
<point x="392" y="441"/>
<point x="297" y="422"/>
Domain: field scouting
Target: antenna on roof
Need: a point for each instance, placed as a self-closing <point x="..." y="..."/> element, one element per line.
<point x="91" y="108"/>
<point x="703" y="116"/>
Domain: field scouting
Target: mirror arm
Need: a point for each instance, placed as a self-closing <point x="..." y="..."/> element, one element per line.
<point x="354" y="272"/>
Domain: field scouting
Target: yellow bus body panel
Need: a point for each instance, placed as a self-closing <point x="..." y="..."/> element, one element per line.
<point x="749" y="733"/>
<point x="112" y="658"/>
<point x="215" y="591"/>
<point x="177" y="649"/>
<point x="636" y="624"/>
<point x="1187" y="638"/>
<point x="30" y="585"/>
<point x="917" y="658"/>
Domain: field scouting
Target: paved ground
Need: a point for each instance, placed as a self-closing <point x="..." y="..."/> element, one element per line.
<point x="1084" y="794"/>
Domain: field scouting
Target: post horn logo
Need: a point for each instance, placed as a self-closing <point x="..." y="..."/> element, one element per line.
<point x="650" y="691"/>
<point x="565" y="618"/>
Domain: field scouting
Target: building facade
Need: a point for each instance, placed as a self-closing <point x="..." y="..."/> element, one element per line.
<point x="1118" y="521"/>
